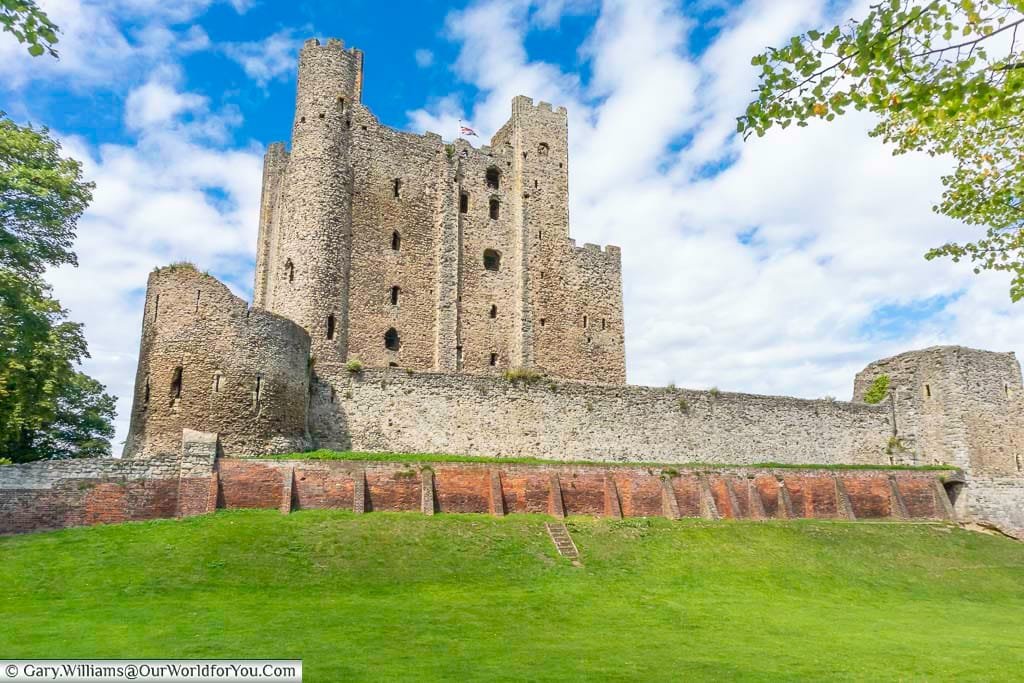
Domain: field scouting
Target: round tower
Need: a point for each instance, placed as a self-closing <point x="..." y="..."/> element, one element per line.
<point x="308" y="273"/>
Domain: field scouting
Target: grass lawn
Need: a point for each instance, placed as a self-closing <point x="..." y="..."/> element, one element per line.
<point x="468" y="597"/>
<point x="324" y="454"/>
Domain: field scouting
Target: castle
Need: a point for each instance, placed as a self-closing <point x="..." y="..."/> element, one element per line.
<point x="398" y="250"/>
<point x="399" y="280"/>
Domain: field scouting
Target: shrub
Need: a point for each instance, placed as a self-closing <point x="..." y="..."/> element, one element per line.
<point x="355" y="366"/>
<point x="878" y="390"/>
<point x="684" y="405"/>
<point x="715" y="393"/>
<point x="524" y="375"/>
<point x="669" y="473"/>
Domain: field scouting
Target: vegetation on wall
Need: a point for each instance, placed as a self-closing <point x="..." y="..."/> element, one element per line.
<point x="945" y="77"/>
<point x="878" y="390"/>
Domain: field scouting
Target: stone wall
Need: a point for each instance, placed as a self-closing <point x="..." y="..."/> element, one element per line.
<point x="395" y="410"/>
<point x="207" y="361"/>
<point x="65" y="493"/>
<point x="962" y="407"/>
<point x="365" y="230"/>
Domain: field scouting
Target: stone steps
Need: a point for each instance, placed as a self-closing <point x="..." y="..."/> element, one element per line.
<point x="562" y="540"/>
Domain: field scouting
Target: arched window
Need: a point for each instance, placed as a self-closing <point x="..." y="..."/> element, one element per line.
<point x="396" y="240"/>
<point x="391" y="341"/>
<point x="543" y="149"/>
<point x="494" y="311"/>
<point x="492" y="259"/>
<point x="394" y="295"/>
<point x="289" y="270"/>
<point x="493" y="178"/>
<point x="463" y="202"/>
<point x="330" y="326"/>
<point x="176" y="382"/>
<point x="495" y="209"/>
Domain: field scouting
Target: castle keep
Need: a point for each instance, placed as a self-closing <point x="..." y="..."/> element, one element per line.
<point x="398" y="250"/>
<point x="440" y="267"/>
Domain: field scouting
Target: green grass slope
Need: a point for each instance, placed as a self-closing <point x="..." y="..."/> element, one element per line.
<point x="402" y="596"/>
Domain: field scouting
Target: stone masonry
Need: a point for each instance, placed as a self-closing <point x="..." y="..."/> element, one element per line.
<point x="395" y="249"/>
<point x="440" y="266"/>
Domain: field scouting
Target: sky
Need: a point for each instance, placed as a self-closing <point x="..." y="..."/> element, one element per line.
<point x="780" y="265"/>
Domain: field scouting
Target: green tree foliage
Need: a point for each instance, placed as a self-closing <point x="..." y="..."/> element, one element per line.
<point x="945" y="77"/>
<point x="48" y="409"/>
<point x="878" y="390"/>
<point x="30" y="25"/>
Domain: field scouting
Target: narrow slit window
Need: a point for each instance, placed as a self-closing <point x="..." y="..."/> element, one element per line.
<point x="176" y="382"/>
<point x="494" y="359"/>
<point x="391" y="341"/>
<point x="542" y="321"/>
<point x="396" y="188"/>
<point x="199" y="293"/>
<point x="396" y="241"/>
<point x="458" y="354"/>
<point x="604" y="324"/>
<point x="330" y="326"/>
<point x="394" y="295"/>
<point x="928" y="390"/>
<point x="156" y="307"/>
<point x="494" y="311"/>
<point x="495" y="209"/>
<point x="257" y="395"/>
<point x="341" y="104"/>
<point x="289" y="270"/>
<point x="145" y="394"/>
<point x="492" y="259"/>
<point x="216" y="382"/>
<point x="463" y="202"/>
<point x="584" y="321"/>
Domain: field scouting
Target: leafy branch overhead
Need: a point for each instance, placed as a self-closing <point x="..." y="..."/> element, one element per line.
<point x="946" y="77"/>
<point x="29" y="25"/>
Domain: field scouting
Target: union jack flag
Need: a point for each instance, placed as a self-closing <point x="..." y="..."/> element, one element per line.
<point x="466" y="130"/>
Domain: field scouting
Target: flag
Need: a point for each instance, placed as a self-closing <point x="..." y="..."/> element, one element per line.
<point x="466" y="130"/>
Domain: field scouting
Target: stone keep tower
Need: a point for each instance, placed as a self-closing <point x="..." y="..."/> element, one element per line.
<point x="305" y="239"/>
<point x="398" y="250"/>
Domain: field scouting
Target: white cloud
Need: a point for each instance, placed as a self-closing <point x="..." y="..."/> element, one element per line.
<point x="424" y="58"/>
<point x="265" y="60"/>
<point x="170" y="195"/>
<point x="104" y="43"/>
<point x="836" y="226"/>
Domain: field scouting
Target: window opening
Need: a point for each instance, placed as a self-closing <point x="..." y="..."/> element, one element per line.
<point x="391" y="341"/>
<point x="603" y="324"/>
<point x="494" y="359"/>
<point x="156" y="307"/>
<point x="463" y="202"/>
<point x="330" y="326"/>
<point x="396" y="240"/>
<point x="543" y="149"/>
<point x="176" y="382"/>
<point x="492" y="259"/>
<point x="198" y="293"/>
<point x="495" y="209"/>
<point x="542" y="321"/>
<point x="397" y="188"/>
<point x="289" y="270"/>
<point x="584" y="321"/>
<point x="394" y="295"/>
<point x="216" y="382"/>
<point x="259" y="390"/>
<point x="494" y="311"/>
<point x="493" y="178"/>
<point x="145" y="395"/>
<point x="928" y="390"/>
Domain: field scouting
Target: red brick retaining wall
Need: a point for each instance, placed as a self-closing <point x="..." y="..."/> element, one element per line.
<point x="76" y="493"/>
<point x="736" y="493"/>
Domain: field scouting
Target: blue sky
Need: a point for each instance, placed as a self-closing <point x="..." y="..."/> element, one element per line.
<point x="781" y="265"/>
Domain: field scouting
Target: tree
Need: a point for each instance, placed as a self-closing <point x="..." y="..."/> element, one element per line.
<point x="945" y="77"/>
<point x="41" y="197"/>
<point x="48" y="409"/>
<point x="29" y="24"/>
